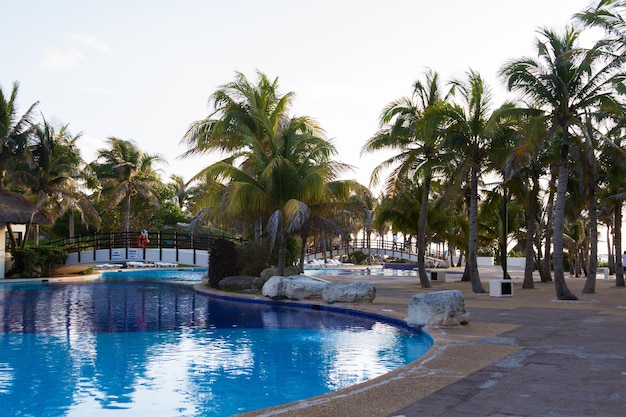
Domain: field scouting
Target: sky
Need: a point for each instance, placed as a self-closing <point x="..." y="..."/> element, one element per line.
<point x="144" y="70"/>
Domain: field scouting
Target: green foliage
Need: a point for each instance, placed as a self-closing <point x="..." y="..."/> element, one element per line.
<point x="254" y="257"/>
<point x="170" y="214"/>
<point x="514" y="254"/>
<point x="37" y="261"/>
<point x="358" y="257"/>
<point x="223" y="261"/>
<point x="293" y="252"/>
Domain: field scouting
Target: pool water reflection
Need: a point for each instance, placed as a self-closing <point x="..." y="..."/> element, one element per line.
<point x="161" y="349"/>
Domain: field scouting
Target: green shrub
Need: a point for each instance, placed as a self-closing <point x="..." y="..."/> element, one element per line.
<point x="37" y="261"/>
<point x="358" y="257"/>
<point x="254" y="257"/>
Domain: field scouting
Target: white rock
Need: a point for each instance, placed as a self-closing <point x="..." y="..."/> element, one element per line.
<point x="301" y="287"/>
<point x="294" y="287"/>
<point x="274" y="288"/>
<point x="355" y="292"/>
<point x="441" y="308"/>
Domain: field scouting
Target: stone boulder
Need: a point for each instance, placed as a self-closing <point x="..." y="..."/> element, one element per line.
<point x="274" y="288"/>
<point x="301" y="287"/>
<point x="240" y="283"/>
<point x="268" y="273"/>
<point x="441" y="308"/>
<point x="294" y="287"/>
<point x="354" y="292"/>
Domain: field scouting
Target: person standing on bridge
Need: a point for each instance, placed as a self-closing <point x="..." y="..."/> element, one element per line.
<point x="395" y="241"/>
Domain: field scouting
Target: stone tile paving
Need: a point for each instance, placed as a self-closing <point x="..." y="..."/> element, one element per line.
<point x="572" y="364"/>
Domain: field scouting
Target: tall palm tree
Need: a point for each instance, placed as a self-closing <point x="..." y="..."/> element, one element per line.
<point x="14" y="130"/>
<point x="124" y="171"/>
<point x="566" y="81"/>
<point x="525" y="168"/>
<point x="612" y="161"/>
<point x="405" y="129"/>
<point x="470" y="129"/>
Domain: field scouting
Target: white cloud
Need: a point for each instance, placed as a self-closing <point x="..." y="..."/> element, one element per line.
<point x="90" y="41"/>
<point x="59" y="61"/>
<point x="56" y="60"/>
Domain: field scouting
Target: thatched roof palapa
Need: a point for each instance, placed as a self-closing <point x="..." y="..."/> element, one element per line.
<point x="16" y="209"/>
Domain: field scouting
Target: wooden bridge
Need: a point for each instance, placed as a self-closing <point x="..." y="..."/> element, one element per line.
<point x="163" y="248"/>
<point x="378" y="249"/>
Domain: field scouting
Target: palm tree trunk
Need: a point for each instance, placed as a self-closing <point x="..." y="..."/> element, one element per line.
<point x="70" y="222"/>
<point x="530" y="239"/>
<point x="473" y="234"/>
<point x="302" y="252"/>
<point x="421" y="236"/>
<point x="127" y="217"/>
<point x="609" y="250"/>
<point x="548" y="261"/>
<point x="282" y="252"/>
<point x="562" y="292"/>
<point x="590" y="283"/>
<point x="617" y="240"/>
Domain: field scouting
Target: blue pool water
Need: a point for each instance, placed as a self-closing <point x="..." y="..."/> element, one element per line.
<point x="135" y="347"/>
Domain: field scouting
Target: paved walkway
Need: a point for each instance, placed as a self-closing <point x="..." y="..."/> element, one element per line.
<point x="525" y="355"/>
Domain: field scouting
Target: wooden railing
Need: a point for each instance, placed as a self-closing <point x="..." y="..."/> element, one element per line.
<point x="157" y="240"/>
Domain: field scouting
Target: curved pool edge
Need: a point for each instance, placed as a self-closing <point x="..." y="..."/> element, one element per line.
<point x="360" y="393"/>
<point x="453" y="355"/>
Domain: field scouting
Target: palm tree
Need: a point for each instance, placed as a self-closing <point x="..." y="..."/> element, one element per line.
<point x="470" y="129"/>
<point x="51" y="180"/>
<point x="246" y="115"/>
<point x="281" y="183"/>
<point x="276" y="166"/>
<point x="566" y="81"/>
<point x="14" y="131"/>
<point x="124" y="171"/>
<point x="612" y="162"/>
<point x="181" y="190"/>
<point x="525" y="168"/>
<point x="405" y="129"/>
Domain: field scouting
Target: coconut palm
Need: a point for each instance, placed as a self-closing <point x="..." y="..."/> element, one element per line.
<point x="566" y="81"/>
<point x="421" y="154"/>
<point x="52" y="178"/>
<point x="470" y="129"/>
<point x="124" y="171"/>
<point x="245" y="117"/>
<point x="14" y="130"/>
<point x="181" y="190"/>
<point x="612" y="161"/>
<point x="279" y="181"/>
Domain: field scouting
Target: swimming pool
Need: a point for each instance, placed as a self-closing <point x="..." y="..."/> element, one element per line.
<point x="158" y="348"/>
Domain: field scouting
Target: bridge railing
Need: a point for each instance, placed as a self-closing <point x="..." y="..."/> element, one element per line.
<point x="157" y="240"/>
<point x="375" y="245"/>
